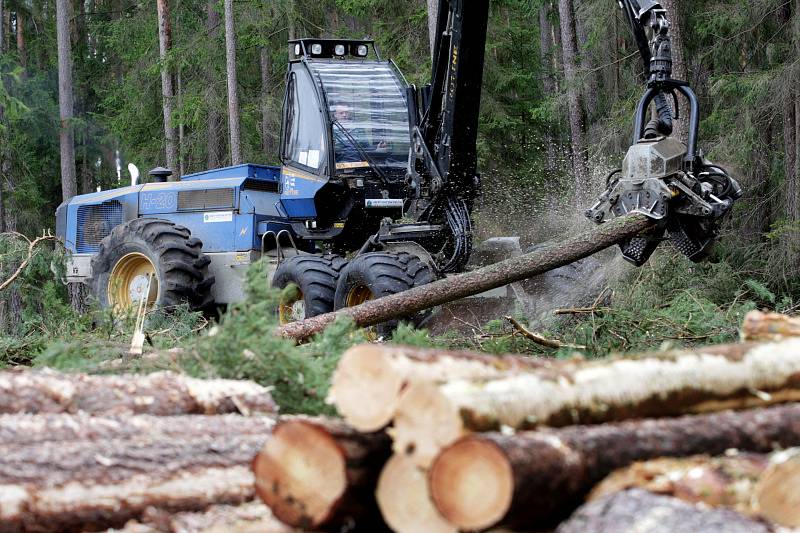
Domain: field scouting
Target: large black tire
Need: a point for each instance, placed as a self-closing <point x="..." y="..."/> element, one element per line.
<point x="315" y="277"/>
<point x="180" y="266"/>
<point x="377" y="274"/>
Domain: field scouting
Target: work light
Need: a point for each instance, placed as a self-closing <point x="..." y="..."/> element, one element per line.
<point x="361" y="51"/>
<point x="297" y="49"/>
<point x="316" y="48"/>
<point x="339" y="50"/>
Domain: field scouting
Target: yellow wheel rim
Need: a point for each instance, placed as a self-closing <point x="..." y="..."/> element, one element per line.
<point x="358" y="295"/>
<point x="128" y="281"/>
<point x="292" y="310"/>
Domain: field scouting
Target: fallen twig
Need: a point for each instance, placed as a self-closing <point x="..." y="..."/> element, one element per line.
<point x="538" y="339"/>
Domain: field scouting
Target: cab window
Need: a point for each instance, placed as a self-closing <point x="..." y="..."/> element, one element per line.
<point x="305" y="130"/>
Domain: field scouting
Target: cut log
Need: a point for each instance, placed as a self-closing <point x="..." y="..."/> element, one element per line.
<point x="430" y="415"/>
<point x="538" y="477"/>
<point x="26" y="429"/>
<point x="369" y="378"/>
<point x="321" y="474"/>
<point x="78" y="486"/>
<point x="726" y="481"/>
<point x="639" y="510"/>
<point x="251" y="517"/>
<point x="476" y="281"/>
<point x="404" y="499"/>
<point x="777" y="494"/>
<point x="758" y="326"/>
<point x="161" y="393"/>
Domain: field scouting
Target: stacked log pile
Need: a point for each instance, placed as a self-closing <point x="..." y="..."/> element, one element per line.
<point x="85" y="453"/>
<point x="477" y="442"/>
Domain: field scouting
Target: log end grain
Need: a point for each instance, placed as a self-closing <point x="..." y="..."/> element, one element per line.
<point x="404" y="499"/>
<point x="365" y="388"/>
<point x="425" y="422"/>
<point x="758" y="326"/>
<point x="287" y="474"/>
<point x="472" y="484"/>
<point x="777" y="494"/>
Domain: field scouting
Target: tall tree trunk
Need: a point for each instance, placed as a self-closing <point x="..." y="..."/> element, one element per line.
<point x="588" y="77"/>
<point x="790" y="143"/>
<point x="548" y="82"/>
<point x="679" y="70"/>
<point x="21" y="47"/>
<point x="214" y="148"/>
<point x="2" y="27"/>
<point x="65" y="101"/>
<point x="267" y="133"/>
<point x="167" y="90"/>
<point x="433" y="13"/>
<point x="233" y="98"/>
<point x="7" y="30"/>
<point x="577" y="122"/>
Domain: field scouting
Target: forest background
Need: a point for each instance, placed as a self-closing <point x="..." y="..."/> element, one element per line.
<point x="561" y="81"/>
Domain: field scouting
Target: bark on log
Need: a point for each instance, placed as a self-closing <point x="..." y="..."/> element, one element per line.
<point x="725" y="481"/>
<point x="477" y="281"/>
<point x="28" y="429"/>
<point x="321" y="474"/>
<point x="80" y="486"/>
<point x="429" y="416"/>
<point x="251" y="517"/>
<point x="536" y="478"/>
<point x="161" y="393"/>
<point x="370" y="378"/>
<point x="639" y="510"/>
<point x="405" y="501"/>
<point x="758" y="326"/>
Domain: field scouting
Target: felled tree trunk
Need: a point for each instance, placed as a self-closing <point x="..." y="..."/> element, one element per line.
<point x="753" y="484"/>
<point x="369" y="378"/>
<point x="639" y="510"/>
<point x="28" y="429"/>
<point x="249" y="517"/>
<point x="320" y="474"/>
<point x="539" y="477"/>
<point x="80" y="486"/>
<point x="476" y="281"/>
<point x="161" y="393"/>
<point x="405" y="501"/>
<point x="430" y="415"/>
<point x="758" y="326"/>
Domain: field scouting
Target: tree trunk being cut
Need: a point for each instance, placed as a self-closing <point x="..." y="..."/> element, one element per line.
<point x="85" y="486"/>
<point x="251" y="517"/>
<point x="318" y="473"/>
<point x="639" y="510"/>
<point x="370" y="378"/>
<point x="161" y="393"/>
<point x="430" y="415"/>
<point x="758" y="326"/>
<point x="27" y="429"/>
<point x="476" y="281"/>
<point x="405" y="501"/>
<point x="537" y="478"/>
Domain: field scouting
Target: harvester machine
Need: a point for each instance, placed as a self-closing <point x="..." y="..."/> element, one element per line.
<point x="377" y="183"/>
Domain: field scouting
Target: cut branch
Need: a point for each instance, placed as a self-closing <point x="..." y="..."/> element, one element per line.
<point x="321" y="474"/>
<point x="538" y="339"/>
<point x="431" y="415"/>
<point x="161" y="393"/>
<point x="539" y="477"/>
<point x="369" y="378"/>
<point x="31" y="246"/>
<point x="477" y="281"/>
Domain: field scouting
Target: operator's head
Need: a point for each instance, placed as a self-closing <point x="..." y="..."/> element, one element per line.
<point x="342" y="112"/>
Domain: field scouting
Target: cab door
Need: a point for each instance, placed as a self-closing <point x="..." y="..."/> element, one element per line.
<point x="304" y="146"/>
